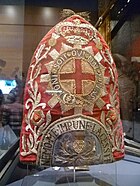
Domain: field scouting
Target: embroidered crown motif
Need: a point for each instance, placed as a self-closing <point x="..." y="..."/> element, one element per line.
<point x="76" y="32"/>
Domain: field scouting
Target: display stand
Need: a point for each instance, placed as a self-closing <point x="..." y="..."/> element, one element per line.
<point x="96" y="175"/>
<point x="121" y="173"/>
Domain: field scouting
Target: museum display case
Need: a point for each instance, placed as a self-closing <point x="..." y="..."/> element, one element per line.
<point x="88" y="135"/>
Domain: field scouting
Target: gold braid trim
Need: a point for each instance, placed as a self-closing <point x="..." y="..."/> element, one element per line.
<point x="67" y="13"/>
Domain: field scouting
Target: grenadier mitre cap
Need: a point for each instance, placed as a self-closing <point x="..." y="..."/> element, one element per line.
<point x="71" y="114"/>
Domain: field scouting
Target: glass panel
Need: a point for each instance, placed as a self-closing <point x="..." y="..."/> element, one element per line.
<point x="22" y="26"/>
<point x="125" y="41"/>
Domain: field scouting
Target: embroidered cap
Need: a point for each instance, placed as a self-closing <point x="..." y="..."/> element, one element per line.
<point x="71" y="114"/>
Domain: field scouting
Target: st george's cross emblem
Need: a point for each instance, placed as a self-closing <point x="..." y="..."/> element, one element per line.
<point x="78" y="78"/>
<point x="71" y="115"/>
